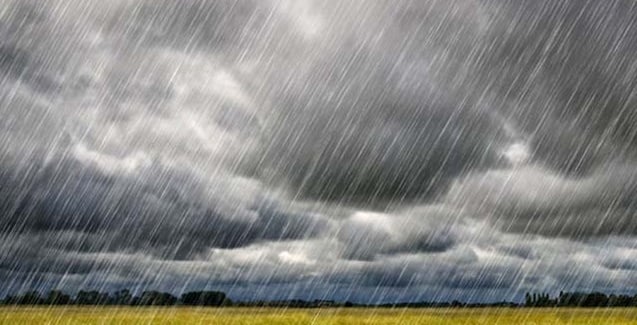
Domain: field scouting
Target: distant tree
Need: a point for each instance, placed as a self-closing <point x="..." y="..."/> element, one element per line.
<point x="122" y="297"/>
<point x="57" y="297"/>
<point x="204" y="298"/>
<point x="91" y="298"/>
<point x="457" y="303"/>
<point x="155" y="298"/>
<point x="535" y="299"/>
<point x="28" y="298"/>
<point x="542" y="299"/>
<point x="215" y="298"/>
<point x="595" y="299"/>
<point x="135" y="301"/>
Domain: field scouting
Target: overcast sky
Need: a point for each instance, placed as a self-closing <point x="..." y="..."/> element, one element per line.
<point x="349" y="150"/>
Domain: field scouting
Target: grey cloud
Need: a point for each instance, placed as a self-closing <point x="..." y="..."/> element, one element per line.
<point x="439" y="270"/>
<point x="167" y="128"/>
<point x="565" y="68"/>
<point x="399" y="123"/>
<point x="533" y="200"/>
<point x="367" y="124"/>
<point x="618" y="263"/>
<point x="219" y="27"/>
<point x="368" y="235"/>
<point x="522" y="251"/>
<point x="153" y="213"/>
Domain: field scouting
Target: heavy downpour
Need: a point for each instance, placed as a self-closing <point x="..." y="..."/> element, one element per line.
<point x="363" y="151"/>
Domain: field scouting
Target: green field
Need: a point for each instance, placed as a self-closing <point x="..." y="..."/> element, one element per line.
<point x="187" y="315"/>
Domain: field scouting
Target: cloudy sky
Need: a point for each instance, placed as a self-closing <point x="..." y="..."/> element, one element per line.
<point x="351" y="150"/>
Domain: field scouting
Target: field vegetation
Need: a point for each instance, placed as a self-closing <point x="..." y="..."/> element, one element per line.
<point x="17" y="315"/>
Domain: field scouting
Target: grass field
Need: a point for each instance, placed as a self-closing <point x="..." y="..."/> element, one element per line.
<point x="186" y="315"/>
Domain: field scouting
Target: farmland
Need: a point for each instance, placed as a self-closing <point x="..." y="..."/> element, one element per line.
<point x="193" y="315"/>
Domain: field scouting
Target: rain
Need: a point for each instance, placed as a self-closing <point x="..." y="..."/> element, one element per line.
<point x="364" y="151"/>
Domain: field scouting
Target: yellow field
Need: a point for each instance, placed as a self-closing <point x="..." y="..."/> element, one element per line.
<point x="186" y="315"/>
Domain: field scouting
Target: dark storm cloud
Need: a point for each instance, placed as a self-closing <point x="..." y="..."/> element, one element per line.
<point x="152" y="213"/>
<point x="377" y="117"/>
<point x="384" y="120"/>
<point x="563" y="73"/>
<point x="162" y="131"/>
<point x="568" y="67"/>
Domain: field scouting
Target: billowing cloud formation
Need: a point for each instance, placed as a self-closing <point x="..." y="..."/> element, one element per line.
<point x="366" y="234"/>
<point x="373" y="151"/>
<point x="536" y="200"/>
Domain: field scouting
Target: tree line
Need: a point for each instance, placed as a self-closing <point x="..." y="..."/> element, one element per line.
<point x="580" y="299"/>
<point x="121" y="297"/>
<point x="217" y="298"/>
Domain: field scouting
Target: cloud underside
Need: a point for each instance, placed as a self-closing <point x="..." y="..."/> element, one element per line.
<point x="458" y="147"/>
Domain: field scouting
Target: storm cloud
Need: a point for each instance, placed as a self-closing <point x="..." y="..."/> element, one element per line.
<point x="375" y="151"/>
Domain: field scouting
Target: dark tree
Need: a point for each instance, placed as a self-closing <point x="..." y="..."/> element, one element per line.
<point x="156" y="298"/>
<point x="204" y="298"/>
<point x="29" y="298"/>
<point x="91" y="298"/>
<point x="122" y="297"/>
<point x="57" y="297"/>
